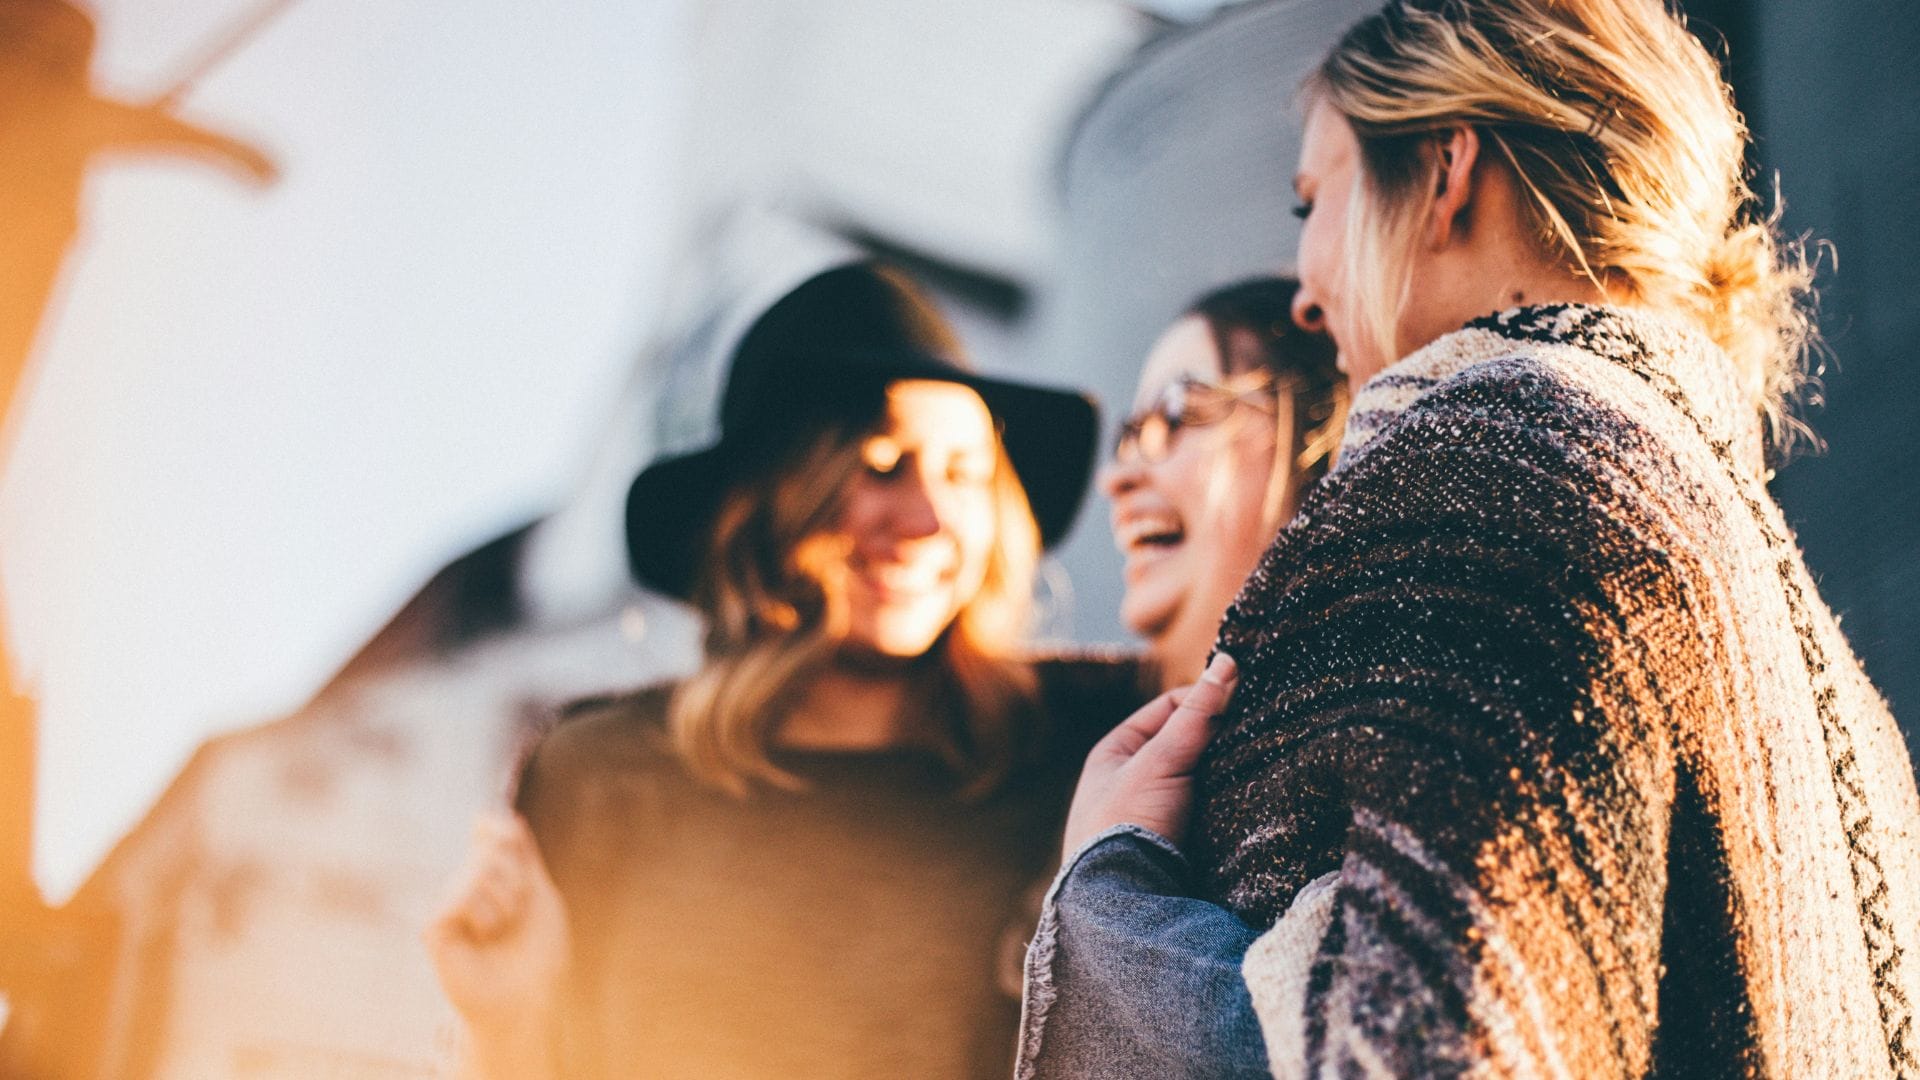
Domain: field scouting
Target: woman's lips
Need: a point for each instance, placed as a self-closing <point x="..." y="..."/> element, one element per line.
<point x="1146" y="532"/>
<point x="1146" y="539"/>
<point x="902" y="581"/>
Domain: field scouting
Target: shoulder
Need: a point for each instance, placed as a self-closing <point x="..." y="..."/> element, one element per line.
<point x="643" y="707"/>
<point x="1539" y="479"/>
<point x="1511" y="455"/>
<point x="1647" y="402"/>
<point x="1505" y="405"/>
<point x="605" y="736"/>
<point x="1508" y="468"/>
<point x="1514" y="435"/>
<point x="605" y="768"/>
<point x="1556" y="380"/>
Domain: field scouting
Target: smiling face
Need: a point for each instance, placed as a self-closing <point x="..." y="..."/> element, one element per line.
<point x="1328" y="186"/>
<point x="1193" y="525"/>
<point x="918" y="521"/>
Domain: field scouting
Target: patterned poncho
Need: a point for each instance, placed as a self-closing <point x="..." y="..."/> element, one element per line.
<point x="1547" y="758"/>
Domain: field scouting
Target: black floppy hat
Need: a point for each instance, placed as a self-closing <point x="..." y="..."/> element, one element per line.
<point x="826" y="352"/>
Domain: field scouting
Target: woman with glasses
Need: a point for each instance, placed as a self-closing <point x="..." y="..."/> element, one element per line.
<point x="1238" y="412"/>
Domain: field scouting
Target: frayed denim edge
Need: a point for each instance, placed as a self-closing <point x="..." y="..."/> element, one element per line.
<point x="1038" y="993"/>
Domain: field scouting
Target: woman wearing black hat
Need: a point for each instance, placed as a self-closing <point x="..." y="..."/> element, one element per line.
<point x="810" y="858"/>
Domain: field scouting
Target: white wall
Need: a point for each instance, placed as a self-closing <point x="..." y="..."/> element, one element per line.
<point x="262" y="418"/>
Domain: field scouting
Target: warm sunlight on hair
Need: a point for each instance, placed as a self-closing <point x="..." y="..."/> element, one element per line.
<point x="1615" y="121"/>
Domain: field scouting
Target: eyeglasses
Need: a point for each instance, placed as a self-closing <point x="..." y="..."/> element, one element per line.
<point x="1147" y="437"/>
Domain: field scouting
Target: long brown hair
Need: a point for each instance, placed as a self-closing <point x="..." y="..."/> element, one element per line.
<point x="1253" y="330"/>
<point x="774" y="623"/>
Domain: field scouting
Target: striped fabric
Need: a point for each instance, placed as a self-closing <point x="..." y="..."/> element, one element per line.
<point x="1540" y="679"/>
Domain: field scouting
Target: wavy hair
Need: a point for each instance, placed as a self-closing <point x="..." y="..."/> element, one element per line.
<point x="776" y="616"/>
<point x="1626" y="145"/>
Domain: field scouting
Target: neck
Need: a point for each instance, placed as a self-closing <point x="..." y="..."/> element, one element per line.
<point x="1489" y="261"/>
<point x="1180" y="653"/>
<point x="856" y="704"/>
<point x="1546" y="285"/>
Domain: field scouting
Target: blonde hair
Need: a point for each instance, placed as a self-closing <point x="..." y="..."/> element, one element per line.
<point x="1627" y="146"/>
<point x="775" y="618"/>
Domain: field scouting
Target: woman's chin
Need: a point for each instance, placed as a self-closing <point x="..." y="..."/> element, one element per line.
<point x="1147" y="616"/>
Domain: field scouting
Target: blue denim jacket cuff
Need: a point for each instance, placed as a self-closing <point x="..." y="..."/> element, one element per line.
<point x="1140" y="833"/>
<point x="1139" y="848"/>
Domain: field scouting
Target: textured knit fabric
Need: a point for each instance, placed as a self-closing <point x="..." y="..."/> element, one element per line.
<point x="867" y="927"/>
<point x="1278" y="967"/>
<point x="1540" y="676"/>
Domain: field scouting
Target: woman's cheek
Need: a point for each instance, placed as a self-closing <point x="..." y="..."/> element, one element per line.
<point x="978" y="529"/>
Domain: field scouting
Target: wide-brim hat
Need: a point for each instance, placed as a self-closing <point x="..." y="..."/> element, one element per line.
<point x="823" y="356"/>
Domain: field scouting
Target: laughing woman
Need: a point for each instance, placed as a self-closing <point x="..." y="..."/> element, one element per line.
<point x="1546" y="758"/>
<point x="808" y="859"/>
<point x="1237" y="414"/>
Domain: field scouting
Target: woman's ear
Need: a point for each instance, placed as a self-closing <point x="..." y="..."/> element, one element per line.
<point x="1457" y="151"/>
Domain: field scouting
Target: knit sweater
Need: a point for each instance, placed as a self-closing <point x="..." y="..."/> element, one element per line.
<point x="1539" y="697"/>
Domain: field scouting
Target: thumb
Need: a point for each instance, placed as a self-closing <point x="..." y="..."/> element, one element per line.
<point x="1176" y="748"/>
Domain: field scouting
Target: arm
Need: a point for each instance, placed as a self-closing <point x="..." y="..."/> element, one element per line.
<point x="1129" y="973"/>
<point x="499" y="946"/>
<point x="1448" y="786"/>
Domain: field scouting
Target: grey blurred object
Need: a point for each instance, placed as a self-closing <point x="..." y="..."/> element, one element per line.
<point x="263" y="918"/>
<point x="1177" y="178"/>
<point x="55" y="127"/>
<point x="930" y="126"/>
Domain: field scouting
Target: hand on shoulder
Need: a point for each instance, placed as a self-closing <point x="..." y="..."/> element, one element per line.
<point x="1141" y="773"/>
<point x="500" y="942"/>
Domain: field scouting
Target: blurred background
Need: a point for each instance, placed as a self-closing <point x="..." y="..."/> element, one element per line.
<point x="325" y="409"/>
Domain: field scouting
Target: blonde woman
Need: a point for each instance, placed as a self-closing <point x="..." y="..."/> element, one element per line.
<point x="1545" y="757"/>
<point x="807" y="859"/>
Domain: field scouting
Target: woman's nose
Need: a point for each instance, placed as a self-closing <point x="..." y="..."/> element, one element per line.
<point x="914" y="513"/>
<point x="1119" y="476"/>
<point x="1308" y="315"/>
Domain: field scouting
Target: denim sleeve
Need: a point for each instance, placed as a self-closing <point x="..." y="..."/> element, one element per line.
<point x="1130" y="975"/>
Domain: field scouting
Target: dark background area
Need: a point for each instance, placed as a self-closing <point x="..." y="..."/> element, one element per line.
<point x="1832" y="93"/>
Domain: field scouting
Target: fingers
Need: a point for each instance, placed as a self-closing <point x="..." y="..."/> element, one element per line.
<point x="493" y="890"/>
<point x="1181" y="739"/>
<point x="1209" y="696"/>
<point x="1142" y="772"/>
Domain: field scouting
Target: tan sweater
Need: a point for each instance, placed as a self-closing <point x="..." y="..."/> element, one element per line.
<point x="867" y="927"/>
<point x="1540" y="697"/>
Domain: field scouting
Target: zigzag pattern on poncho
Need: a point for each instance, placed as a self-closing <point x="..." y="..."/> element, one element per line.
<point x="1540" y="675"/>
